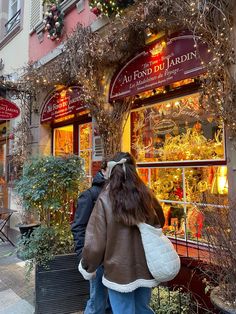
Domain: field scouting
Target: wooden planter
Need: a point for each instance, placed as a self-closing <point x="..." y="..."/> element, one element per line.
<point x="60" y="289"/>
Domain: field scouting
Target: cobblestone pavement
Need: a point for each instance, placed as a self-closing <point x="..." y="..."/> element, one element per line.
<point x="16" y="294"/>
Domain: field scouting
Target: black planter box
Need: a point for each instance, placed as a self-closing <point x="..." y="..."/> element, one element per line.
<point x="61" y="289"/>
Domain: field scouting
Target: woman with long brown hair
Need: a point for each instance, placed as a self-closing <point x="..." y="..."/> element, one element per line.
<point x="113" y="238"/>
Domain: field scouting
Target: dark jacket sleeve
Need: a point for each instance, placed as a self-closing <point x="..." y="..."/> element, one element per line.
<point x="83" y="211"/>
<point x="95" y="240"/>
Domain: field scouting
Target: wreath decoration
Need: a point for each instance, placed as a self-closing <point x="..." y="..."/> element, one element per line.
<point x="109" y="7"/>
<point x="54" y="22"/>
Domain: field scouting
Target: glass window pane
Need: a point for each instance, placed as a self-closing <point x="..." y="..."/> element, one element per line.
<point x="195" y="223"/>
<point x="207" y="185"/>
<point x="174" y="219"/>
<point x="167" y="183"/>
<point x="87" y="156"/>
<point x="85" y="136"/>
<point x="176" y="130"/>
<point x="63" y="140"/>
<point x="85" y="146"/>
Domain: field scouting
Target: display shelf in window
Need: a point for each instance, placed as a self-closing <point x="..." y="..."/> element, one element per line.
<point x="177" y="130"/>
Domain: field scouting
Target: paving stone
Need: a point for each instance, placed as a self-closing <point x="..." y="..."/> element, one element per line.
<point x="18" y="307"/>
<point x="7" y="298"/>
<point x="13" y="283"/>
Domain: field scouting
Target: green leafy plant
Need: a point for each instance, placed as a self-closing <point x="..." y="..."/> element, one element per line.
<point x="49" y="186"/>
<point x="43" y="244"/>
<point x="165" y="301"/>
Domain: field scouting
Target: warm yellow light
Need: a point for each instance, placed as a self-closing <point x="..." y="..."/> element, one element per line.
<point x="63" y="93"/>
<point x="222" y="181"/>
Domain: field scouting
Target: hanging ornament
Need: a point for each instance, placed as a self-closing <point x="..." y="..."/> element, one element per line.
<point x="54" y="21"/>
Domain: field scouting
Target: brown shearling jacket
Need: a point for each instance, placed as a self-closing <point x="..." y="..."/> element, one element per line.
<point x="118" y="247"/>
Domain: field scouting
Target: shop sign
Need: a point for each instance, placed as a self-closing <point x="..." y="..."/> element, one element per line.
<point x="8" y="110"/>
<point x="61" y="104"/>
<point x="164" y="62"/>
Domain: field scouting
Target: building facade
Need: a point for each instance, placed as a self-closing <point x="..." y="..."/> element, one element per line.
<point x="183" y="152"/>
<point x="14" y="55"/>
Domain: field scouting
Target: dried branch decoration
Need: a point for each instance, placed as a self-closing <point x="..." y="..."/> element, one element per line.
<point x="89" y="58"/>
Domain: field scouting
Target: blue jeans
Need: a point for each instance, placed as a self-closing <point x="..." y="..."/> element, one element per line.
<point x="98" y="302"/>
<point x="135" y="302"/>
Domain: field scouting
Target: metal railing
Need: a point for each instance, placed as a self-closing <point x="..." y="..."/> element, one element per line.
<point x="176" y="300"/>
<point x="13" y="22"/>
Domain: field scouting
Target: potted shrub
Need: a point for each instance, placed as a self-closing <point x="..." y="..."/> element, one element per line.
<point x="49" y="186"/>
<point x="221" y="272"/>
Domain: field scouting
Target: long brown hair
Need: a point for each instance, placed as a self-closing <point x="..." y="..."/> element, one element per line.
<point x="132" y="201"/>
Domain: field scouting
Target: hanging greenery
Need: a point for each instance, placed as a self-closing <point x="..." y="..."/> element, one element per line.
<point x="54" y="21"/>
<point x="109" y="7"/>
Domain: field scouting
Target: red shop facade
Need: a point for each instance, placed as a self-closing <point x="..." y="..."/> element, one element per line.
<point x="72" y="130"/>
<point x="178" y="145"/>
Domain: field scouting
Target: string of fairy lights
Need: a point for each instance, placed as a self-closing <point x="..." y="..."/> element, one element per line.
<point x="109" y="7"/>
<point x="89" y="58"/>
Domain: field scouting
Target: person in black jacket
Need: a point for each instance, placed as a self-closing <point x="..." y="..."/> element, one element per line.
<point x="98" y="302"/>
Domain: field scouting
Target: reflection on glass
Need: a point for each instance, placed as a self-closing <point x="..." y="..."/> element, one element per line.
<point x="63" y="140"/>
<point x="176" y="130"/>
<point x="167" y="183"/>
<point x="174" y="219"/>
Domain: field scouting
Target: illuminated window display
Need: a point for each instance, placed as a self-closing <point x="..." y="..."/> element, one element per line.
<point x="176" y="130"/>
<point x="63" y="143"/>
<point x="165" y="138"/>
<point x="63" y="140"/>
<point x="184" y="193"/>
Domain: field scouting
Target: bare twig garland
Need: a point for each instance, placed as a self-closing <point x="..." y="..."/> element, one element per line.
<point x="221" y="236"/>
<point x="88" y="57"/>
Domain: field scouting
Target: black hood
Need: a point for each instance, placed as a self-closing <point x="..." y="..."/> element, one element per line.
<point x="99" y="179"/>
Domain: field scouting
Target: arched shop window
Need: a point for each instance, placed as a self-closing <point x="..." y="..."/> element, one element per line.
<point x="63" y="142"/>
<point x="180" y="154"/>
<point x="71" y="126"/>
<point x="178" y="146"/>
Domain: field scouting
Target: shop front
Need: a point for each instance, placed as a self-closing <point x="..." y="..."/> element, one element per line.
<point x="179" y="146"/>
<point x="8" y="111"/>
<point x="70" y="124"/>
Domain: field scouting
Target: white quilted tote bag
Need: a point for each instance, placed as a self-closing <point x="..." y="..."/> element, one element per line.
<point x="162" y="259"/>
